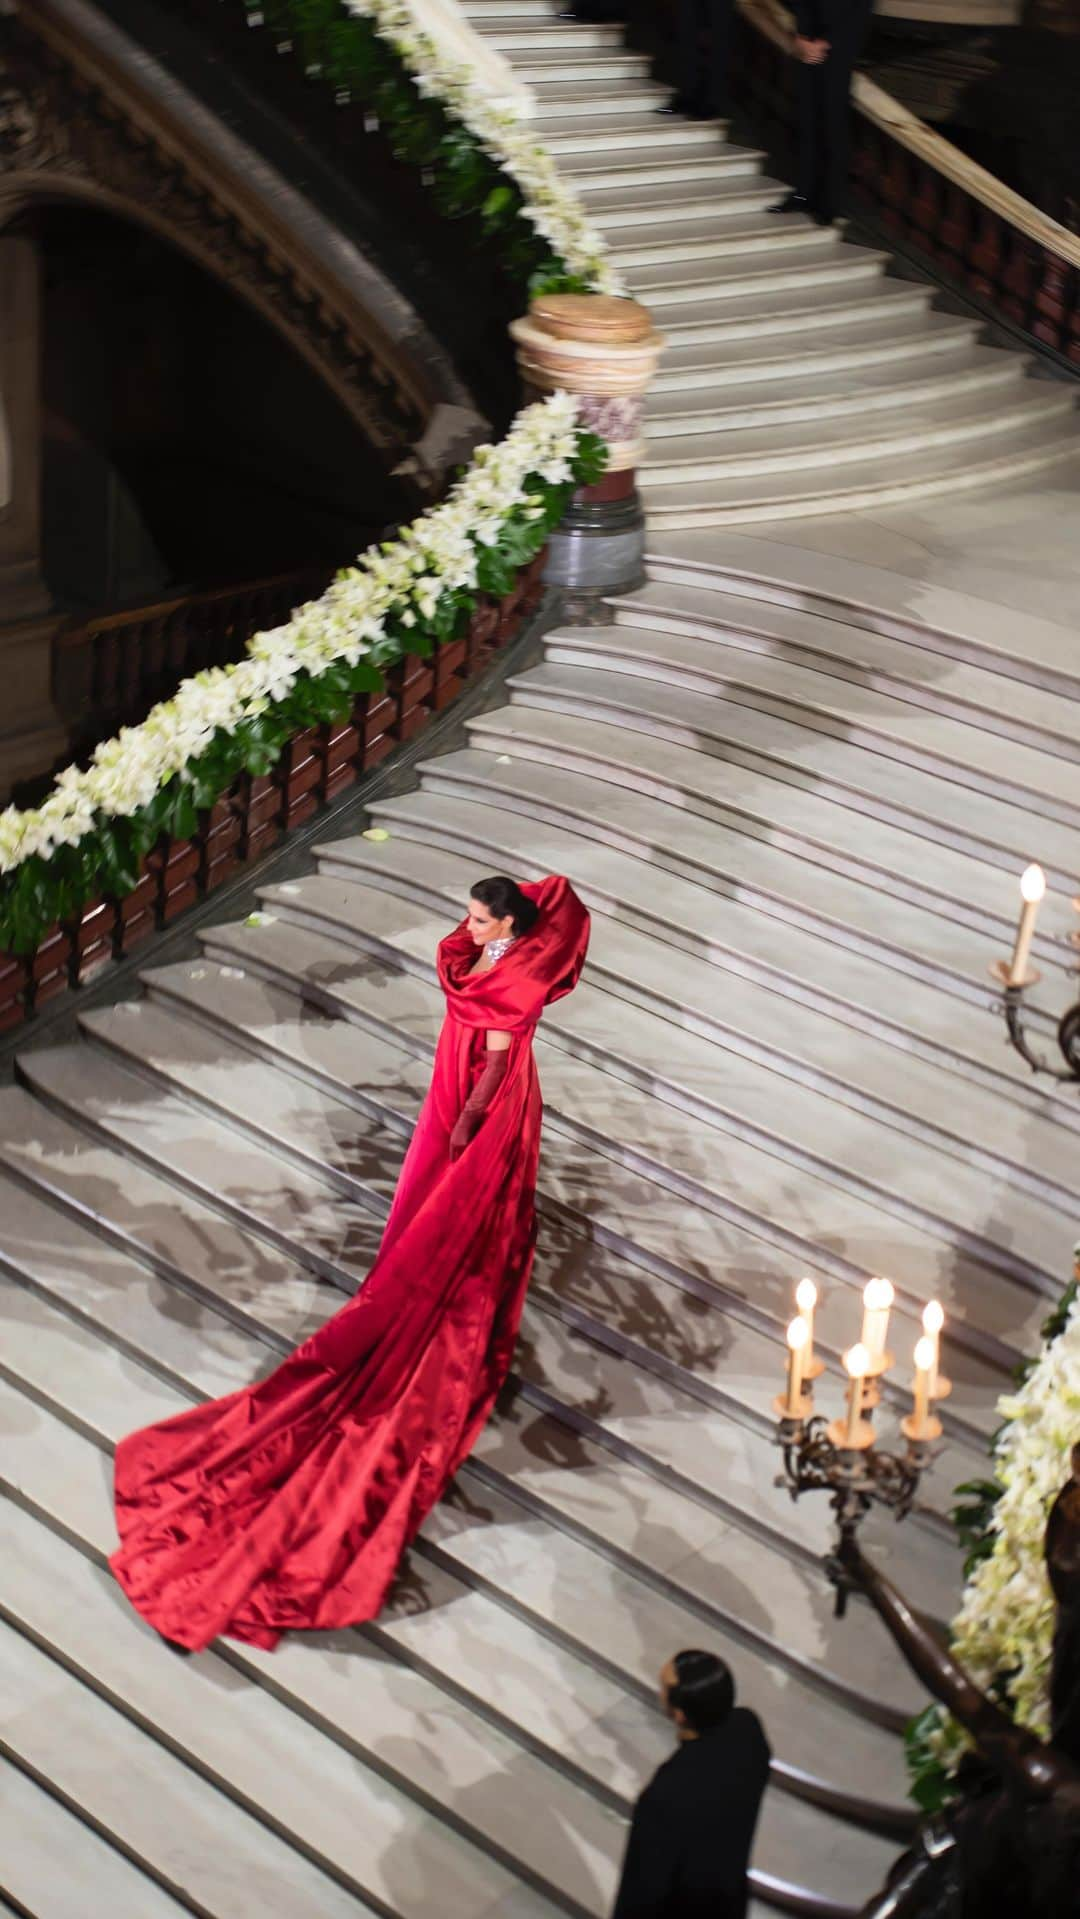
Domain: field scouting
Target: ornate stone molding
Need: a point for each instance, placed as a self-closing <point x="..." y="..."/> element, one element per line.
<point x="85" y="115"/>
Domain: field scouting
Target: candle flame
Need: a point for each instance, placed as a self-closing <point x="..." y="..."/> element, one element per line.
<point x="796" y="1334"/>
<point x="933" y="1318"/>
<point x="806" y="1295"/>
<point x="886" y="1294"/>
<point x="871" y="1294"/>
<point x="1033" y="884"/>
<point x="857" y="1360"/>
<point x="924" y="1355"/>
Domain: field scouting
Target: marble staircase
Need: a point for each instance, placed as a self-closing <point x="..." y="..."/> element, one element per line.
<point x="797" y="822"/>
<point x="802" y="375"/>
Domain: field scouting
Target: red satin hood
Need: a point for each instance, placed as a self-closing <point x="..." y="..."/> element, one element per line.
<point x="540" y="967"/>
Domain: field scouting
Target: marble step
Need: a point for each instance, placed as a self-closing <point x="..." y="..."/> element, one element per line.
<point x="941" y="621"/>
<point x="648" y="252"/>
<point x="717" y="408"/>
<point x="624" y="169"/>
<point x="50" y="1857"/>
<point x="214" y="1858"/>
<point x="910" y="940"/>
<point x="602" y="1733"/>
<point x="957" y="420"/>
<point x="912" y="335"/>
<point x="316" y="1126"/>
<point x="512" y="32"/>
<point x="874" y="1075"/>
<point x="593" y="1714"/>
<point x="615" y="132"/>
<point x="617" y="207"/>
<point x="995" y="833"/>
<point x="305" y="1784"/>
<point x="719" y="316"/>
<point x="891" y="723"/>
<point x="604" y="1502"/>
<point x="569" y="1169"/>
<point x="973" y="693"/>
<point x="905" y="865"/>
<point x="867" y="484"/>
<point x="676" y="287"/>
<point x="537" y="65"/>
<point x="730" y="936"/>
<point x="427" y="1776"/>
<point x="544" y="12"/>
<point x="564" y="97"/>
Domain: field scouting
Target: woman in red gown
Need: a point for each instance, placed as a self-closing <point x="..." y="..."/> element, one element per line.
<point x="289" y="1505"/>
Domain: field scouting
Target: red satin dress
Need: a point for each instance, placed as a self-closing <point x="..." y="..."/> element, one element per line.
<point x="289" y="1505"/>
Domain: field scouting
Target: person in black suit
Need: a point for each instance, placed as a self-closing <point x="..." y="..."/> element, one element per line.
<point x="829" y="37"/>
<point x="702" y="83"/>
<point x="689" y="1847"/>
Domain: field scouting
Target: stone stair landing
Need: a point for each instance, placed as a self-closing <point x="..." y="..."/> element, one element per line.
<point x="802" y="375"/>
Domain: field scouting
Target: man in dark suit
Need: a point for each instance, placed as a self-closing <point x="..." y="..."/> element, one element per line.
<point x="689" y="1846"/>
<point x="702" y="82"/>
<point x="829" y="37"/>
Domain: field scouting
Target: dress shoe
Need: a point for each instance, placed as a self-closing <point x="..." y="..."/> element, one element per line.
<point x="688" y="106"/>
<point x="791" y="203"/>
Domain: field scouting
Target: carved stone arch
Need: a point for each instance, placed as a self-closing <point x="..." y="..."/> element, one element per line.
<point x="85" y="116"/>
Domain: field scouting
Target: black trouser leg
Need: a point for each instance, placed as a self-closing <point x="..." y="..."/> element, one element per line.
<point x="812" y="132"/>
<point x="720" y="12"/>
<point x="689" y="80"/>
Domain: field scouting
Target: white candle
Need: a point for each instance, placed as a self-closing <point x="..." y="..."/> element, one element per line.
<point x="933" y="1320"/>
<point x="797" y="1337"/>
<point x="857" y="1362"/>
<point x="877" y="1303"/>
<point x="806" y="1300"/>
<point x="1032" y="888"/>
<point x="924" y="1359"/>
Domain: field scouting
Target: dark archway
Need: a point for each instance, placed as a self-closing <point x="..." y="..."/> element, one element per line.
<point x="184" y="443"/>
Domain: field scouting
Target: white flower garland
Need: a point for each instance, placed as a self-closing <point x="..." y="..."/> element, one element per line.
<point x="405" y="576"/>
<point x="550" y="206"/>
<point x="1004" y="1629"/>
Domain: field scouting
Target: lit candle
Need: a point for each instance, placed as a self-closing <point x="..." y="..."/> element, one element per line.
<point x="806" y="1300"/>
<point x="797" y="1338"/>
<point x="857" y="1362"/>
<point x="877" y="1303"/>
<point x="933" y="1320"/>
<point x="924" y="1360"/>
<point x="1032" y="888"/>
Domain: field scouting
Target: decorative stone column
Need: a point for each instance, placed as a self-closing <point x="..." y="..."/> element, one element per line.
<point x="605" y="350"/>
<point x="31" y="735"/>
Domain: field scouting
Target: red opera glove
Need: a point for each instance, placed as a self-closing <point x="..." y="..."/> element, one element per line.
<point x="472" y="1113"/>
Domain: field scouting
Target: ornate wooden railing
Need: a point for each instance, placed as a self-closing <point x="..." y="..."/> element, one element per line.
<point x="988" y="241"/>
<point x="111" y="668"/>
<point x="252" y="816"/>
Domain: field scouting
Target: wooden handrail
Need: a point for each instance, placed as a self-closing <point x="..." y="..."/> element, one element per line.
<point x="80" y="628"/>
<point x="773" y="19"/>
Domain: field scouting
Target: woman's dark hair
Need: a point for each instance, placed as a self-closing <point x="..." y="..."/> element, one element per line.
<point x="704" y="1691"/>
<point x="504" y="899"/>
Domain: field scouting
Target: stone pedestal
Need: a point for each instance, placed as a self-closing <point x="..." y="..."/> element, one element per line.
<point x="31" y="733"/>
<point x="605" y="350"/>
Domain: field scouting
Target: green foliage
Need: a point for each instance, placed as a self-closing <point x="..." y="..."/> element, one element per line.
<point x="931" y="1784"/>
<point x="973" y="1518"/>
<point x="348" y="54"/>
<point x="107" y="860"/>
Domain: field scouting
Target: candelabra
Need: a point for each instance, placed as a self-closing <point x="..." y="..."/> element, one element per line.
<point x="1017" y="973"/>
<point x="841" y="1456"/>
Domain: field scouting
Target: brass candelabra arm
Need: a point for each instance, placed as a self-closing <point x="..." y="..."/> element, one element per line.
<point x="857" y="1478"/>
<point x="1068" y="1037"/>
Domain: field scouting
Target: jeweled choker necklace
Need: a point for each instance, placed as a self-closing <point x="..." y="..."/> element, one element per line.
<point x="498" y="947"/>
